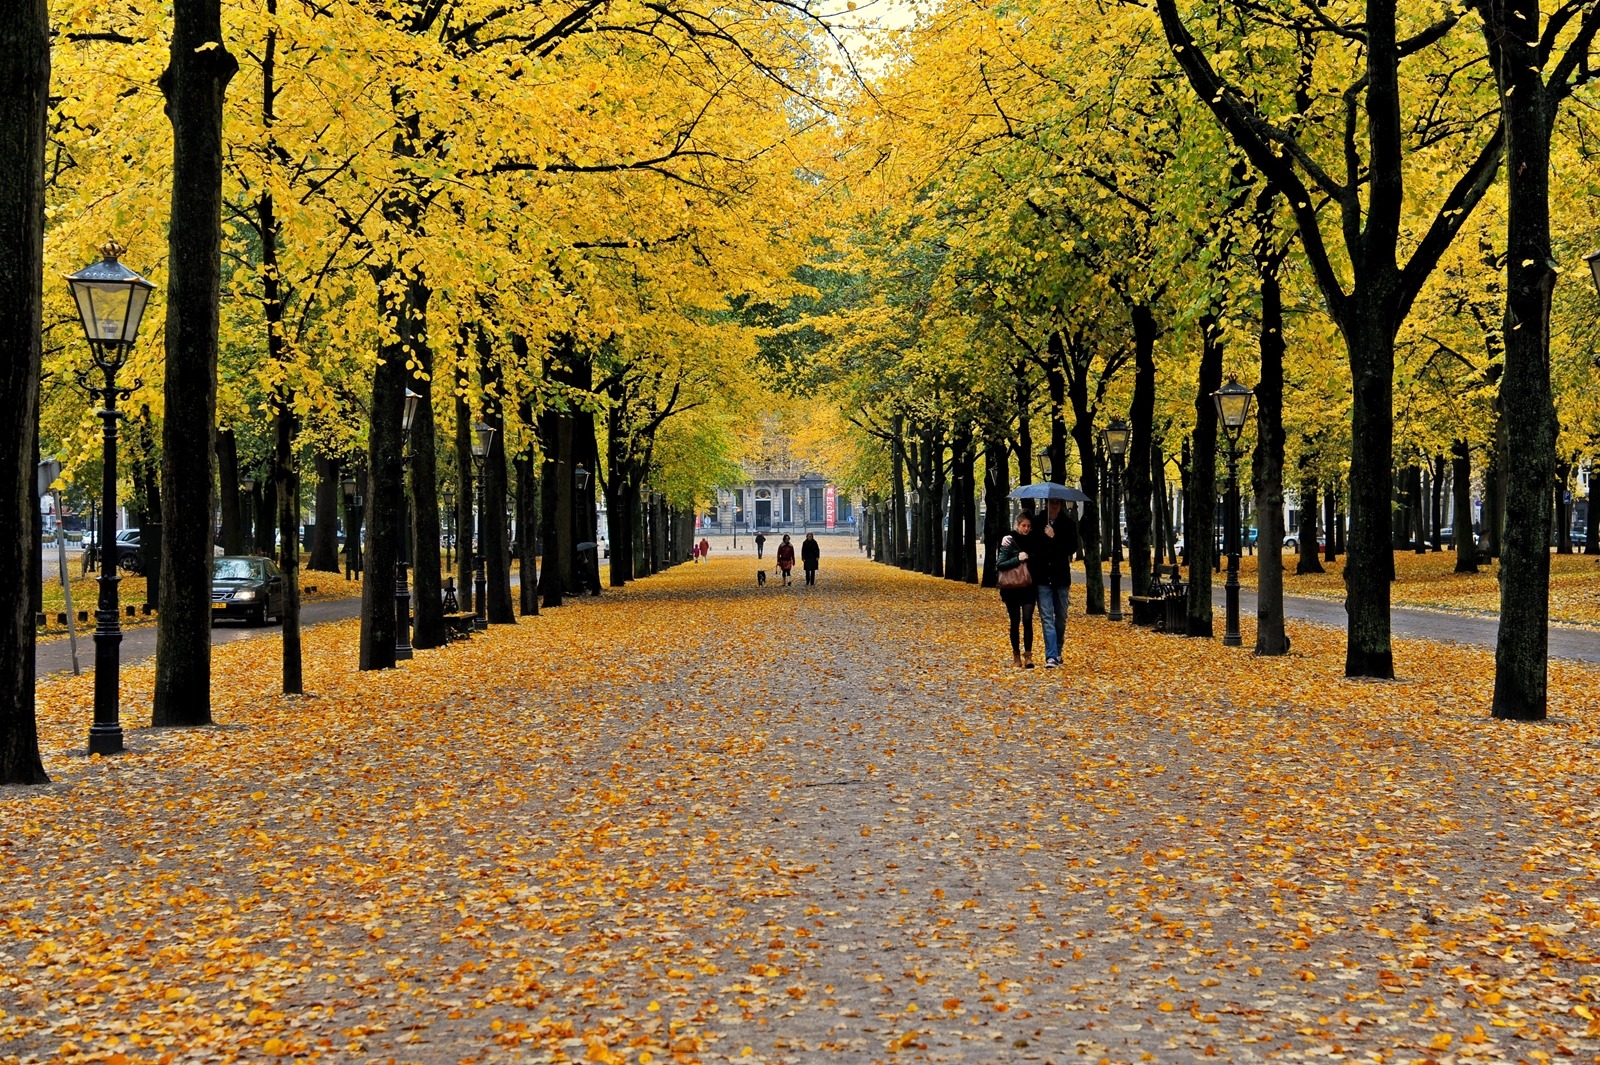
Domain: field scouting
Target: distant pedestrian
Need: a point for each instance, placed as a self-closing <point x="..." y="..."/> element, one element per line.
<point x="1017" y="590"/>
<point x="1050" y="552"/>
<point x="786" y="558"/>
<point x="761" y="542"/>
<point x="705" y="549"/>
<point x="810" y="553"/>
<point x="694" y="553"/>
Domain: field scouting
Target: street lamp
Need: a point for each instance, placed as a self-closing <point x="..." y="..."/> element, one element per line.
<point x="450" y="536"/>
<point x="111" y="300"/>
<point x="352" y="534"/>
<point x="1116" y="437"/>
<point x="1233" y="408"/>
<point x="402" y="589"/>
<point x="482" y="437"/>
<point x="1593" y="259"/>
<point x="580" y="529"/>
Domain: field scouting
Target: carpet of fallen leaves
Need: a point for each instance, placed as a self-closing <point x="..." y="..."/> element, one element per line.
<point x="699" y="821"/>
<point x="1430" y="581"/>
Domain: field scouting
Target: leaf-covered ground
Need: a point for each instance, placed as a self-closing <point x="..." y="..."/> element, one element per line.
<point x="1430" y="581"/>
<point x="701" y="821"/>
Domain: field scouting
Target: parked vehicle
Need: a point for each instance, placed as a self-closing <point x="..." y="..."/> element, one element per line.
<point x="129" y="557"/>
<point x="247" y="588"/>
<point x="1292" y="542"/>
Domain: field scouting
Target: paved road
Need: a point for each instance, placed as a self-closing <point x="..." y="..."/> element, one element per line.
<point x="139" y="644"/>
<point x="1577" y="644"/>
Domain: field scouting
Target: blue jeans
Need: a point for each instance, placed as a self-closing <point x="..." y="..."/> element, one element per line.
<point x="1052" y="618"/>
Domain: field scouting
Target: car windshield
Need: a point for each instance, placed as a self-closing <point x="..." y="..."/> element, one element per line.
<point x="236" y="569"/>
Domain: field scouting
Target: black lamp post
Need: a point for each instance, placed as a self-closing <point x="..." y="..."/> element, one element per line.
<point x="482" y="437"/>
<point x="111" y="300"/>
<point x="1116" y="436"/>
<point x="1593" y="259"/>
<point x="450" y="534"/>
<point x="581" y="531"/>
<point x="352" y="535"/>
<point x="1233" y="408"/>
<point x="248" y="486"/>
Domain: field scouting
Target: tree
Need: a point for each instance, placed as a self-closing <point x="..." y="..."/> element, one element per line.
<point x="1369" y="298"/>
<point x="24" y="97"/>
<point x="194" y="83"/>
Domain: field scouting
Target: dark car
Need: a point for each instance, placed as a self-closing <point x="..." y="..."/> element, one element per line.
<point x="129" y="557"/>
<point x="247" y="588"/>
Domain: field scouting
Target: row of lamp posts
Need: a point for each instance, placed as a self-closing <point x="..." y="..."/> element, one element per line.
<point x="1233" y="410"/>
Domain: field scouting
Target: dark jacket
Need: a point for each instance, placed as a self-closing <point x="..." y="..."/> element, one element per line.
<point x="1012" y="545"/>
<point x="786" y="556"/>
<point x="1050" y="557"/>
<point x="810" y="552"/>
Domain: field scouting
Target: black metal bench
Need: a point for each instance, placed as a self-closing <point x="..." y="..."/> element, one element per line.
<point x="1167" y="606"/>
<point x="459" y="626"/>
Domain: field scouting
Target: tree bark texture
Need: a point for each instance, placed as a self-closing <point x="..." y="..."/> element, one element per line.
<point x="1200" y="545"/>
<point x="466" y="497"/>
<point x="325" y="536"/>
<point x="1461" y="487"/>
<point x="1141" y="419"/>
<point x="1527" y="409"/>
<point x="427" y="582"/>
<point x="24" y="102"/>
<point x="195" y="85"/>
<point x="385" y="474"/>
<point x="1268" y="467"/>
<point x="228" y="492"/>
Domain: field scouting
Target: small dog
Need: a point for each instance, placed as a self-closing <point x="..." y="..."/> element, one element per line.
<point x="761" y="578"/>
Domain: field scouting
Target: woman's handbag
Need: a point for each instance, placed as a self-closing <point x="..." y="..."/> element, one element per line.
<point x="1015" y="577"/>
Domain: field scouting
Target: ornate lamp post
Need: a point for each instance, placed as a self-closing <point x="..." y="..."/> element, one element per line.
<point x="450" y="529"/>
<point x="1593" y="259"/>
<point x="1233" y="408"/>
<point x="482" y="437"/>
<point x="1116" y="437"/>
<point x="402" y="589"/>
<point x="111" y="300"/>
<point x="352" y="535"/>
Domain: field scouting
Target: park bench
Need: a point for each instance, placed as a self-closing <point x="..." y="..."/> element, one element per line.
<point x="459" y="626"/>
<point x="1167" y="605"/>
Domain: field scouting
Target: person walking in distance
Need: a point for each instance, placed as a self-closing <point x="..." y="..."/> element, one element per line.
<point x="786" y="558"/>
<point x="1050" y="550"/>
<point x="810" y="554"/>
<point x="761" y="542"/>
<point x="705" y="549"/>
<point x="1017" y="589"/>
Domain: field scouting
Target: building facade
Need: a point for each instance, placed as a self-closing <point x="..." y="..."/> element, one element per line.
<point x="775" y="500"/>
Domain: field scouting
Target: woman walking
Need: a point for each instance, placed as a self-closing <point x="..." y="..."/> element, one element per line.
<point x="810" y="553"/>
<point x="1016" y="589"/>
<point x="786" y="558"/>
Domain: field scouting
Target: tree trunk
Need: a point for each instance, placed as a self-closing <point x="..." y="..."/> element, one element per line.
<point x="427" y="583"/>
<point x="24" y="100"/>
<point x="466" y="487"/>
<point x="496" y="541"/>
<point x="287" y="478"/>
<point x="194" y="84"/>
<point x="1461" y="478"/>
<point x="228" y="492"/>
<point x="549" y="517"/>
<point x="1563" y="514"/>
<point x="385" y="469"/>
<point x="325" y="536"/>
<point x="1199" y="542"/>
<point x="1370" y="343"/>
<point x="1268" y="466"/>
<point x="1141" y="419"/>
<point x="1310" y="557"/>
<point x="528" y="528"/>
<point x="1494" y="489"/>
<point x="1591" y="518"/>
<point x="1528" y="411"/>
<point x="1083" y="435"/>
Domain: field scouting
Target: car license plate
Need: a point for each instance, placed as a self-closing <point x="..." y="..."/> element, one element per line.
<point x="219" y="605"/>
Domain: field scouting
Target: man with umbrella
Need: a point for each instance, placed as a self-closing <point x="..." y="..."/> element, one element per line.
<point x="1052" y="543"/>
